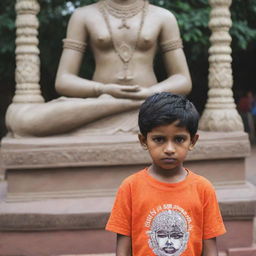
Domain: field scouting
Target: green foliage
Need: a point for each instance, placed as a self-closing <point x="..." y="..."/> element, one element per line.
<point x="7" y="42"/>
<point x="192" y="16"/>
<point x="244" y="23"/>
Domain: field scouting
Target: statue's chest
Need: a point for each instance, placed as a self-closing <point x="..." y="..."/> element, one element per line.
<point x="103" y="38"/>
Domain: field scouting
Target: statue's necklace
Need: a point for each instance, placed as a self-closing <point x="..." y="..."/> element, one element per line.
<point x="124" y="51"/>
<point x="123" y="12"/>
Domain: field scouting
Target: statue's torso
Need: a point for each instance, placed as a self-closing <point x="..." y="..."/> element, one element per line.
<point x="109" y="66"/>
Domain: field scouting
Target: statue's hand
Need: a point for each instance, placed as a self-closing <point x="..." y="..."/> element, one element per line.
<point x="141" y="93"/>
<point x="120" y="91"/>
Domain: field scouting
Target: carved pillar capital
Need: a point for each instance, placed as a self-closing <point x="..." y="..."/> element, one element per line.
<point x="27" y="74"/>
<point x="220" y="112"/>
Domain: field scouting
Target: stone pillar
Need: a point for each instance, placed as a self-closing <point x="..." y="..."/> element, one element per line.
<point x="27" y="73"/>
<point x="220" y="112"/>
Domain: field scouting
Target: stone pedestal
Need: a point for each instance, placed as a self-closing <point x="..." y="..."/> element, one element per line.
<point x="65" y="186"/>
<point x="89" y="166"/>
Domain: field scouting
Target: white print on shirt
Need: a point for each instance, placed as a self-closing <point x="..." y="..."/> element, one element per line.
<point x="169" y="227"/>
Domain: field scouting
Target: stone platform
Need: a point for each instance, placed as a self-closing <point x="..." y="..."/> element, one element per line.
<point x="66" y="167"/>
<point x="59" y="191"/>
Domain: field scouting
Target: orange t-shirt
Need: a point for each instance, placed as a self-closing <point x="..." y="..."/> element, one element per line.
<point x="166" y="219"/>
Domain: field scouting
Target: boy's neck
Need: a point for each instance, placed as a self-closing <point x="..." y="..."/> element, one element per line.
<point x="168" y="176"/>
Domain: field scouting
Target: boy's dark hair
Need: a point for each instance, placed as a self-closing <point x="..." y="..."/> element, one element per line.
<point x="165" y="108"/>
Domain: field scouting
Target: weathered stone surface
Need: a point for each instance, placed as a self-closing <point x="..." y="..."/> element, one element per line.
<point x="110" y="150"/>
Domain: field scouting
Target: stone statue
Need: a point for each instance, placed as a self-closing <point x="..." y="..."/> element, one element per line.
<point x="124" y="36"/>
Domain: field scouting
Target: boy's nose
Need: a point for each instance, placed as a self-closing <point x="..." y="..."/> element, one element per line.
<point x="169" y="148"/>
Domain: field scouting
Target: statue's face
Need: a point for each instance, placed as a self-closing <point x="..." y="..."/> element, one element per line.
<point x="169" y="241"/>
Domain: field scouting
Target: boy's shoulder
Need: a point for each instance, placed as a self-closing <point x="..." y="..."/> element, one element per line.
<point x="201" y="181"/>
<point x="134" y="178"/>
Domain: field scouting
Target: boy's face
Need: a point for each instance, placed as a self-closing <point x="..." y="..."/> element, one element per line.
<point x="168" y="145"/>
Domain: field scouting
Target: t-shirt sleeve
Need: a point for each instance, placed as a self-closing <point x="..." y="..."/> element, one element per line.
<point x="120" y="217"/>
<point x="213" y="223"/>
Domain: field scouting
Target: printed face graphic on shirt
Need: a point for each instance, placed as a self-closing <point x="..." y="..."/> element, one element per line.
<point x="168" y="235"/>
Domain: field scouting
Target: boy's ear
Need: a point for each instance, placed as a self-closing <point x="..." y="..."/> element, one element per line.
<point x="193" y="141"/>
<point x="143" y="141"/>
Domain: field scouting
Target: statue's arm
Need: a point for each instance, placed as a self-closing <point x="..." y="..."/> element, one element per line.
<point x="178" y="80"/>
<point x="68" y="82"/>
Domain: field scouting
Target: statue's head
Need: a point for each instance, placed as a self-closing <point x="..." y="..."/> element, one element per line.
<point x="168" y="235"/>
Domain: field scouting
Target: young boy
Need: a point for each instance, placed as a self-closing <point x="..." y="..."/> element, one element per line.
<point x="165" y="209"/>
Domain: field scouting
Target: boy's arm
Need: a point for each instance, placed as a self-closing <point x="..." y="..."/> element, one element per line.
<point x="123" y="245"/>
<point x="210" y="247"/>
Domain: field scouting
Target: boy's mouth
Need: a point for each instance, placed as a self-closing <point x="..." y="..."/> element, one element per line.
<point x="169" y="160"/>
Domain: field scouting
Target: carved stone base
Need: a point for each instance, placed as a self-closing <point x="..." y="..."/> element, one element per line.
<point x="110" y="150"/>
<point x="68" y="167"/>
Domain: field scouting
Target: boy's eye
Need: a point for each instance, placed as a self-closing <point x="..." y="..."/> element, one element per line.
<point x="180" y="139"/>
<point x="158" y="139"/>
